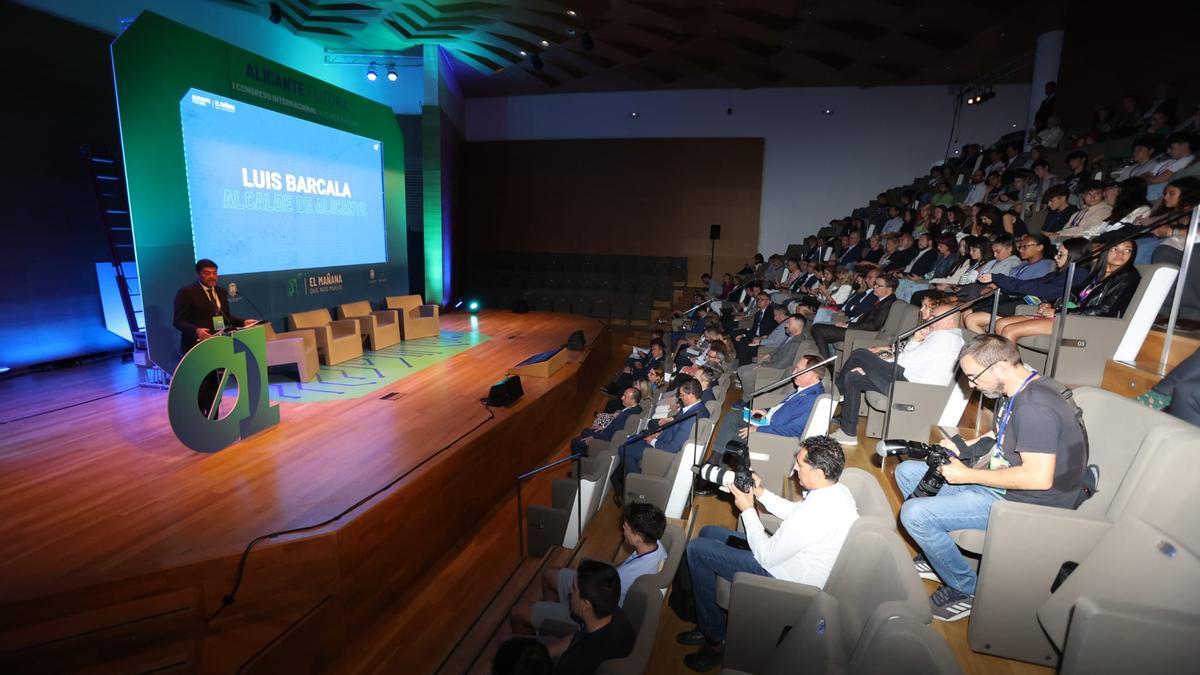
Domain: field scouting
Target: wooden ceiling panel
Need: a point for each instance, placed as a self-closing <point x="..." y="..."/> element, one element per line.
<point x="662" y="44"/>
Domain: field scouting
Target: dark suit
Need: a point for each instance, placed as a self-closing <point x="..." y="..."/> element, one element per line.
<point x="764" y="323"/>
<point x="859" y="304"/>
<point x="194" y="310"/>
<point x="852" y="254"/>
<point x="900" y="259"/>
<point x="606" y="434"/>
<point x="671" y="439"/>
<point x="825" y="334"/>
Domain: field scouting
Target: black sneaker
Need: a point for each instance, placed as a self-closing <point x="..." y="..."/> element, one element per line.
<point x="924" y="569"/>
<point x="950" y="605"/>
<point x="709" y="657"/>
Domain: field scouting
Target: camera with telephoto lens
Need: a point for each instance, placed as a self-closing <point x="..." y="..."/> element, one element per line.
<point x="935" y="457"/>
<point x="743" y="479"/>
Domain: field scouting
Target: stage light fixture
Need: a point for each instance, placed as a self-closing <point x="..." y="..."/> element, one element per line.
<point x="545" y="43"/>
<point x="392" y="75"/>
<point x="473" y="306"/>
<point x="571" y="12"/>
<point x="523" y="53"/>
<point x="587" y="42"/>
<point x="537" y="62"/>
<point x="827" y="111"/>
<point x="371" y="74"/>
<point x="633" y="114"/>
<point x="276" y="14"/>
<point x="4" y="369"/>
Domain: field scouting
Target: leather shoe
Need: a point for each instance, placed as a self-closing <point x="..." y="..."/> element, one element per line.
<point x="692" y="637"/>
<point x="709" y="657"/>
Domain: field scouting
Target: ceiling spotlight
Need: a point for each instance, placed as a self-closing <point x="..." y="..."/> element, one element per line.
<point x="276" y="13"/>
<point x="392" y="76"/>
<point x="827" y="111"/>
<point x="633" y="114"/>
<point x="587" y="41"/>
<point x="523" y="53"/>
<point x="571" y="32"/>
<point x="571" y="12"/>
<point x="371" y="74"/>
<point x="536" y="60"/>
<point x="545" y="43"/>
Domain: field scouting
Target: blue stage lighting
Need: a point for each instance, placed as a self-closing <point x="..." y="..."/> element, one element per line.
<point x="371" y="74"/>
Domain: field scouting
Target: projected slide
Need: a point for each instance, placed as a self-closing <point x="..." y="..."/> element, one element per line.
<point x="273" y="192"/>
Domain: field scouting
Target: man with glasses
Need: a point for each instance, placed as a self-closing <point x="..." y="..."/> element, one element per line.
<point x="1039" y="457"/>
<point x="825" y="334"/>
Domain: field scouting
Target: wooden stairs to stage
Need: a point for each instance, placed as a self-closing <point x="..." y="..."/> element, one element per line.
<point x="1134" y="379"/>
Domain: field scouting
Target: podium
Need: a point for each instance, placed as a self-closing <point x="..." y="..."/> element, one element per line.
<point x="541" y="365"/>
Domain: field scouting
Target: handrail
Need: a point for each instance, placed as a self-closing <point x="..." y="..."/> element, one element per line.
<point x="1180" y="280"/>
<point x="577" y="457"/>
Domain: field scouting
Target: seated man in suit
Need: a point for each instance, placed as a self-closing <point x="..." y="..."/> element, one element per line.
<point x="786" y="419"/>
<point x="671" y="439"/>
<point x="825" y="334"/>
<point x="631" y="401"/>
<point x="199" y="308"/>
<point x="636" y="371"/>
<point x="748" y="349"/>
<point x="782" y="359"/>
<point x="764" y="322"/>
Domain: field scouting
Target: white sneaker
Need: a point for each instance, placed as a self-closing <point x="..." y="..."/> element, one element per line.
<point x="844" y="438"/>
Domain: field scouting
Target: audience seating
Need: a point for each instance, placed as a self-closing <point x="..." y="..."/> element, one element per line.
<point x="772" y="456"/>
<point x="901" y="645"/>
<point x="298" y="347"/>
<point x="417" y="320"/>
<point x="901" y="317"/>
<point x="872" y="580"/>
<point x="337" y="341"/>
<point x="666" y="478"/>
<point x="570" y="509"/>
<point x="1025" y="545"/>
<point x="381" y="328"/>
<point x="915" y="408"/>
<point x="1088" y="342"/>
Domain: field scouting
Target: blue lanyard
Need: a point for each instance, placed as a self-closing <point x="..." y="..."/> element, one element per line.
<point x="1002" y="422"/>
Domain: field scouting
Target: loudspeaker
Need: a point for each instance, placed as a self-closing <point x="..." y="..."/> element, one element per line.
<point x="714" y="232"/>
<point x="506" y="391"/>
<point x="520" y="306"/>
<point x="576" y="341"/>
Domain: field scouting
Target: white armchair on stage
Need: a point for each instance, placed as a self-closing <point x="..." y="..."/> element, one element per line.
<point x="416" y="318"/>
<point x="382" y="327"/>
<point x="337" y="341"/>
<point x="298" y="347"/>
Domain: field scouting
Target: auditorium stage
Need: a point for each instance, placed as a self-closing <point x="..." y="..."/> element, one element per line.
<point x="109" y="520"/>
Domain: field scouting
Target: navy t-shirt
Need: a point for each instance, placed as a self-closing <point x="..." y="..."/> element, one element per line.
<point x="1043" y="422"/>
<point x="588" y="650"/>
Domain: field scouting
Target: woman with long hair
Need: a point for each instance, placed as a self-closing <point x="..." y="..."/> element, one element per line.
<point x="1107" y="293"/>
<point x="1044" y="281"/>
<point x="1180" y="197"/>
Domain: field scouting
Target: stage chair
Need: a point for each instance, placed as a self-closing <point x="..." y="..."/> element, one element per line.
<point x="382" y="328"/>
<point x="418" y="320"/>
<point x="298" y="347"/>
<point x="337" y="341"/>
<point x="1088" y="342"/>
<point x="873" y="579"/>
<point x="1025" y="545"/>
<point x="916" y="407"/>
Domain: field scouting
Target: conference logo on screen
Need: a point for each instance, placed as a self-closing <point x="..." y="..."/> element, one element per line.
<point x="323" y="283"/>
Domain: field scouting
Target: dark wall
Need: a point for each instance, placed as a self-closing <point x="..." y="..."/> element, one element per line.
<point x="60" y="97"/>
<point x="613" y="197"/>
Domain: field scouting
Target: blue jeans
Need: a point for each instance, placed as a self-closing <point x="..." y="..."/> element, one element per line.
<point x="710" y="557"/>
<point x="929" y="521"/>
<point x="1145" y="249"/>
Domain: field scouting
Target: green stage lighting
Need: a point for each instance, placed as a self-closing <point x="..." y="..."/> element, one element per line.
<point x="473" y="306"/>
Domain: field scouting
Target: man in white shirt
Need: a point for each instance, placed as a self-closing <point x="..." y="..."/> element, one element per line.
<point x="929" y="358"/>
<point x="642" y="526"/>
<point x="1051" y="136"/>
<point x="978" y="189"/>
<point x="1143" y="160"/>
<point x="802" y="550"/>
<point x="1179" y="157"/>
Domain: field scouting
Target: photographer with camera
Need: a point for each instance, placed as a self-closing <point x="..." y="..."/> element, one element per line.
<point x="802" y="550"/>
<point x="1036" y="453"/>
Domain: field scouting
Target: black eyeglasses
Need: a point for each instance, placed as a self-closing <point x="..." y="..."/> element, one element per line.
<point x="973" y="379"/>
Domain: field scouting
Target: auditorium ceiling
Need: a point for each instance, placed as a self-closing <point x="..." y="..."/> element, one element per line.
<point x="608" y="45"/>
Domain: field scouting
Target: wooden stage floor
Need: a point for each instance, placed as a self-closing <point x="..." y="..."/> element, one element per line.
<point x="102" y="496"/>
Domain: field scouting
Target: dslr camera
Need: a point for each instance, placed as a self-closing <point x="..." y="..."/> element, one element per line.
<point x="934" y="455"/>
<point x="742" y="479"/>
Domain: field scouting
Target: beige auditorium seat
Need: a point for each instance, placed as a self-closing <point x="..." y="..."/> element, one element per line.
<point x="901" y="317"/>
<point x="298" y="347"/>
<point x="337" y="341"/>
<point x="417" y="319"/>
<point x="872" y="579"/>
<point x="382" y="328"/>
<point x="1025" y="545"/>
<point x="666" y="477"/>
<point x="916" y="407"/>
<point x="1088" y="342"/>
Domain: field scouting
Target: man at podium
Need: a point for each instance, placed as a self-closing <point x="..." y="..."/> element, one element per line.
<point x="201" y="311"/>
